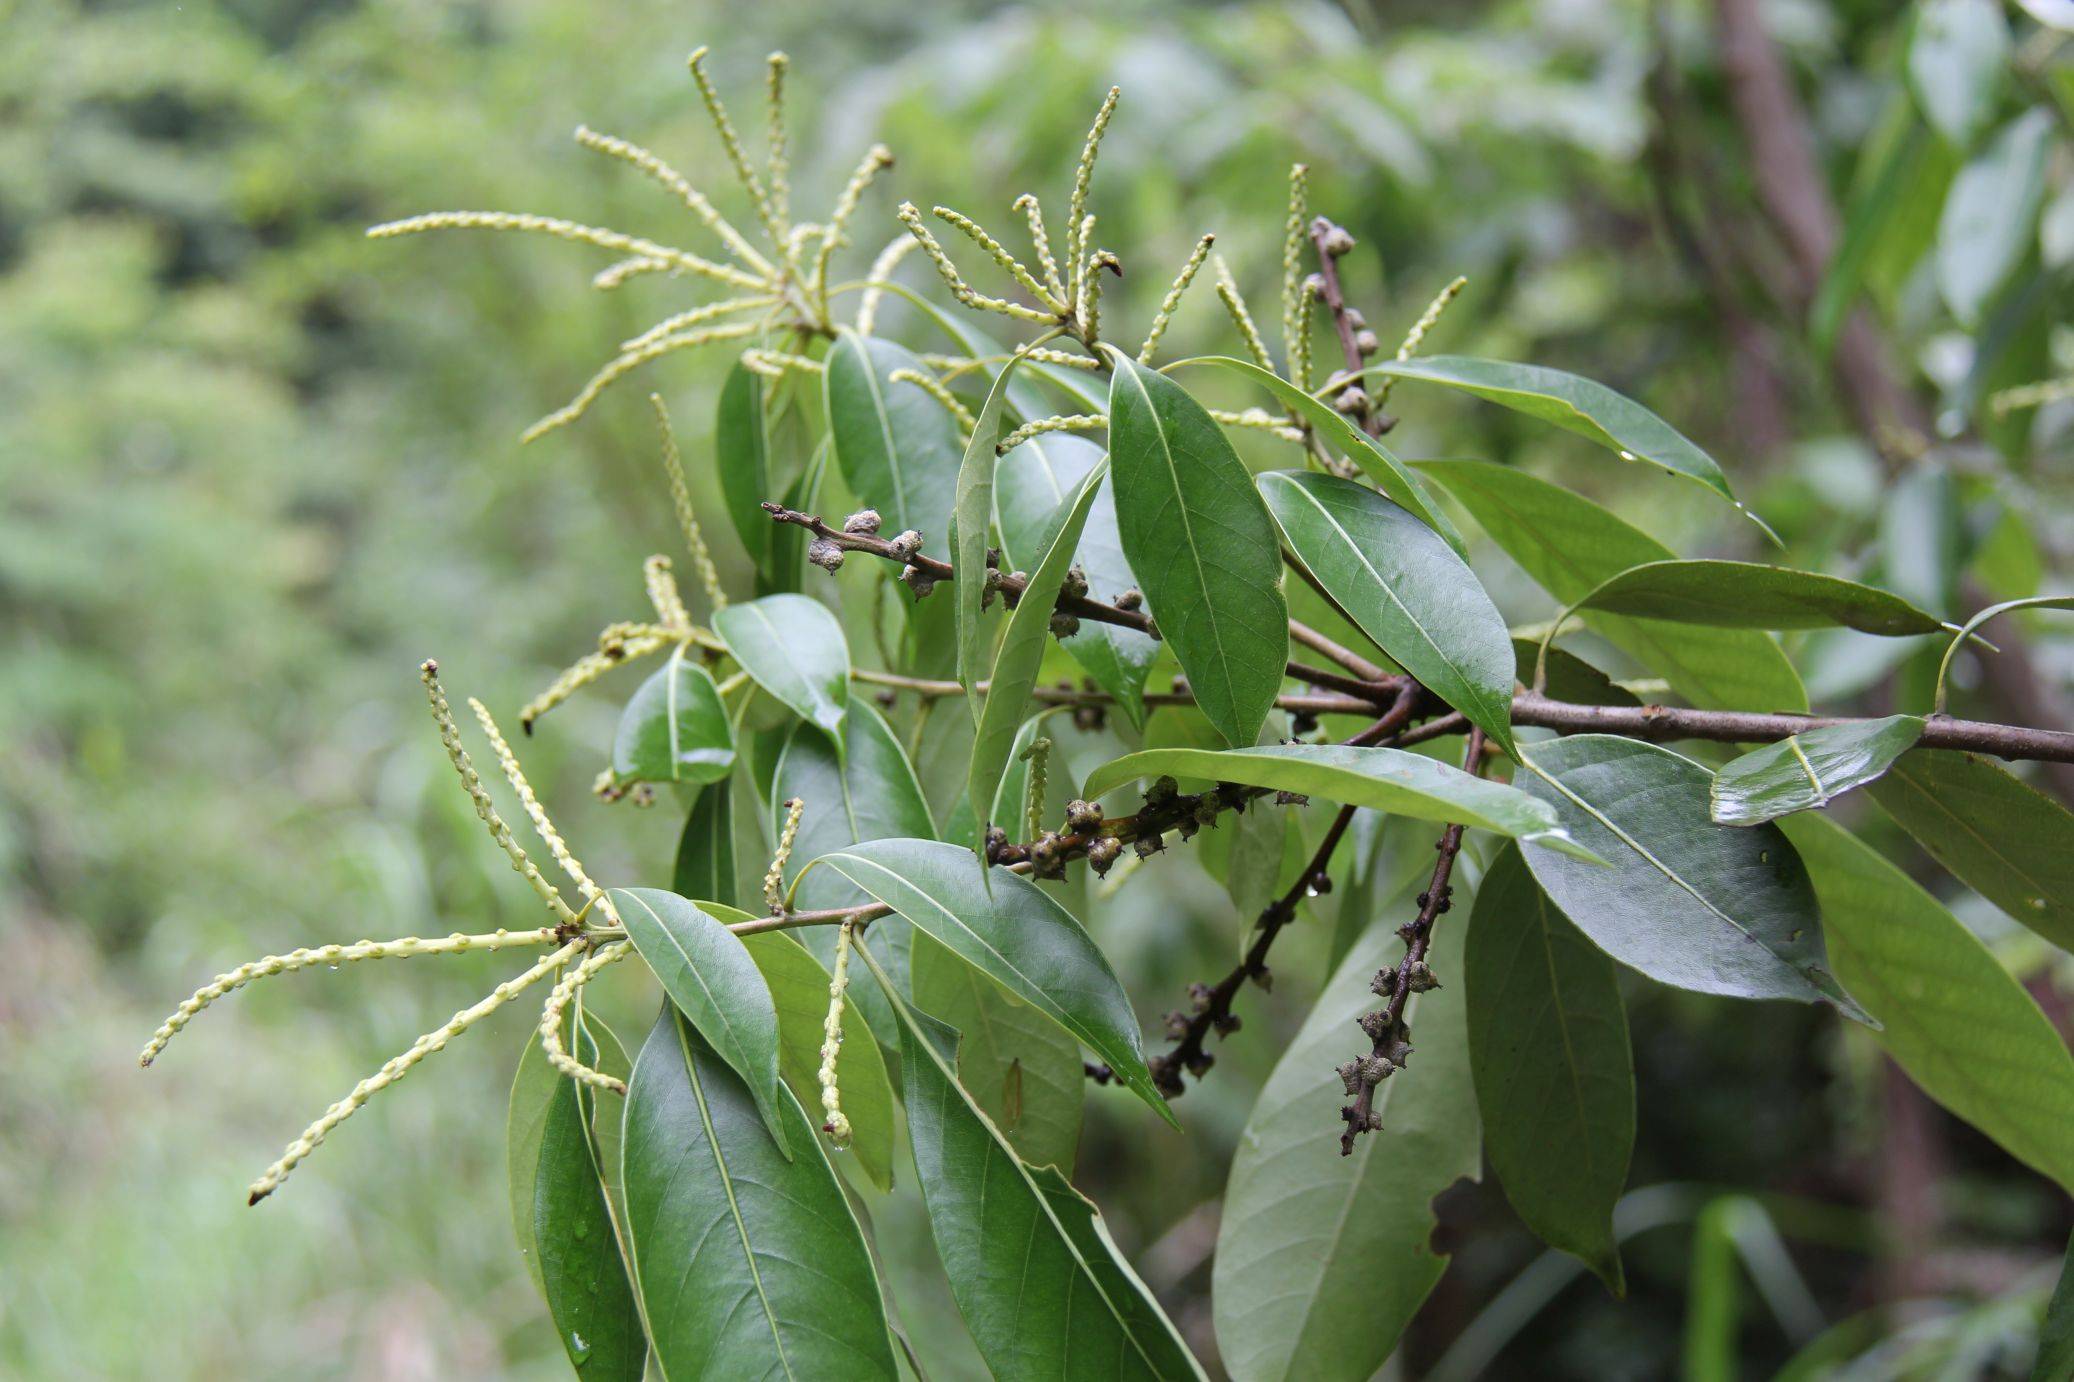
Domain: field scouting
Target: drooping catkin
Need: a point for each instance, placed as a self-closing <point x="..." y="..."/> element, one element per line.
<point x="625" y="364"/>
<point x="696" y="316"/>
<point x="955" y="281"/>
<point x="879" y="275"/>
<point x="633" y="154"/>
<point x="687" y="518"/>
<point x="567" y="230"/>
<point x="332" y="956"/>
<point x="774" y="877"/>
<point x="931" y="385"/>
<point x="998" y="252"/>
<point x="399" y="1066"/>
<point x="835" y="1124"/>
<point x="1040" y="242"/>
<point x="1068" y="422"/>
<point x="545" y="828"/>
<point x="558" y="999"/>
<point x="471" y="781"/>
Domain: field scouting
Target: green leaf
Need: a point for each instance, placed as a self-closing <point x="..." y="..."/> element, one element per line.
<point x="1404" y="588"/>
<point x="1390" y="475"/>
<point x="675" y="729"/>
<point x="2055" y="1360"/>
<point x="1034" y="481"/>
<point x="1017" y="934"/>
<point x="1017" y="1066"/>
<point x="1392" y="780"/>
<point x="873" y="794"/>
<point x="741" y="458"/>
<point x="1989" y="215"/>
<point x="1574" y="404"/>
<point x="1810" y="770"/>
<point x="1958" y="57"/>
<point x="799" y="992"/>
<point x="896" y="446"/>
<point x="1322" y="1260"/>
<point x="1966" y="630"/>
<point x="1569" y="545"/>
<point x="749" y="1264"/>
<point x="1746" y="595"/>
<point x="971" y="519"/>
<point x="1043" y="1290"/>
<point x="1892" y="217"/>
<point x="1203" y="545"/>
<point x="789" y="541"/>
<point x="1570" y="677"/>
<point x="1021" y="653"/>
<point x="705" y="865"/>
<point x="532" y="1096"/>
<point x="1690" y="903"/>
<point x="792" y="647"/>
<point x="709" y="975"/>
<point x="1957" y="1022"/>
<point x="583" y="1275"/>
<point x="2006" y="840"/>
<point x="1555" y="1080"/>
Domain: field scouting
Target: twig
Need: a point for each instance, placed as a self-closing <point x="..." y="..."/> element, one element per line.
<point x="1331" y="241"/>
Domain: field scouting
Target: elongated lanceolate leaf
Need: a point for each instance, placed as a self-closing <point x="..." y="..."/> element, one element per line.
<point x="972" y="514"/>
<point x="1746" y="595"/>
<point x="1404" y="588"/>
<point x="792" y="647"/>
<point x="1390" y="475"/>
<point x="1323" y="1259"/>
<point x="1688" y="902"/>
<point x="1990" y="215"/>
<point x="1033" y="483"/>
<point x="705" y="865"/>
<point x="1809" y="770"/>
<point x="2004" y="839"/>
<point x="1203" y="545"/>
<point x="1569" y="545"/>
<point x="1042" y="1287"/>
<point x="1021" y="652"/>
<point x="1017" y="934"/>
<point x="1548" y="1043"/>
<point x="1957" y="1022"/>
<point x="741" y="456"/>
<point x="1392" y="780"/>
<point x="749" y="1265"/>
<point x="709" y="975"/>
<point x="2055" y="1360"/>
<point x="897" y="448"/>
<point x="1576" y="404"/>
<point x="533" y="1091"/>
<point x="675" y="729"/>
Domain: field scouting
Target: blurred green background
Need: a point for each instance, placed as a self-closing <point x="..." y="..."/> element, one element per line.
<point x="255" y="467"/>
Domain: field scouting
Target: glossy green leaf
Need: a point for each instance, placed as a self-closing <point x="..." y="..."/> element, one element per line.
<point x="749" y="1265"/>
<point x="710" y="976"/>
<point x="1999" y="836"/>
<point x="1574" y="404"/>
<point x="1990" y="214"/>
<point x="1809" y="770"/>
<point x="1017" y="934"/>
<point x="1746" y="595"/>
<point x="1018" y="1067"/>
<point x="1958" y="57"/>
<point x="2055" y="1359"/>
<point x="1021" y="653"/>
<point x="741" y="458"/>
<point x="675" y="729"/>
<point x="705" y="864"/>
<point x="1569" y="545"/>
<point x="1570" y="677"/>
<point x="1555" y="1080"/>
<point x="532" y="1095"/>
<point x="789" y="541"/>
<point x="1043" y="1290"/>
<point x="584" y="1276"/>
<point x="1958" y="1023"/>
<point x="872" y="795"/>
<point x="897" y="448"/>
<point x="1689" y="903"/>
<point x="799" y="992"/>
<point x="1322" y="1260"/>
<point x="792" y="647"/>
<point x="1389" y="474"/>
<point x="1392" y="780"/>
<point x="1892" y="218"/>
<point x="1967" y="629"/>
<point x="1404" y="588"/>
<point x="1034" y="481"/>
<point x="972" y="516"/>
<point x="1203" y="545"/>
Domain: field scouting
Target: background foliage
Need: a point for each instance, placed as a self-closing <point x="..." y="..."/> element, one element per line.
<point x="256" y="467"/>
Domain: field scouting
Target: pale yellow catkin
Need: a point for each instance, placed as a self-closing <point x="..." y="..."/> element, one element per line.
<point x="716" y="110"/>
<point x="588" y="669"/>
<point x="1235" y="304"/>
<point x="1416" y="337"/>
<point x="998" y="252"/>
<point x="1040" y="241"/>
<point x="567" y="230"/>
<point x="696" y="316"/>
<point x="558" y="999"/>
<point x="1172" y="300"/>
<point x="545" y="828"/>
<point x="1083" y="177"/>
<point x="687" y="517"/>
<point x="774" y="877"/>
<point x="877" y="159"/>
<point x="777" y="163"/>
<point x="332" y="956"/>
<point x="960" y="289"/>
<point x="398" y="1066"/>
<point x="879" y="275"/>
<point x="613" y="275"/>
<point x="1070" y="422"/>
<point x="1293" y="239"/>
<point x="633" y="154"/>
<point x="625" y="364"/>
<point x="835" y="1123"/>
<point x="929" y="384"/>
